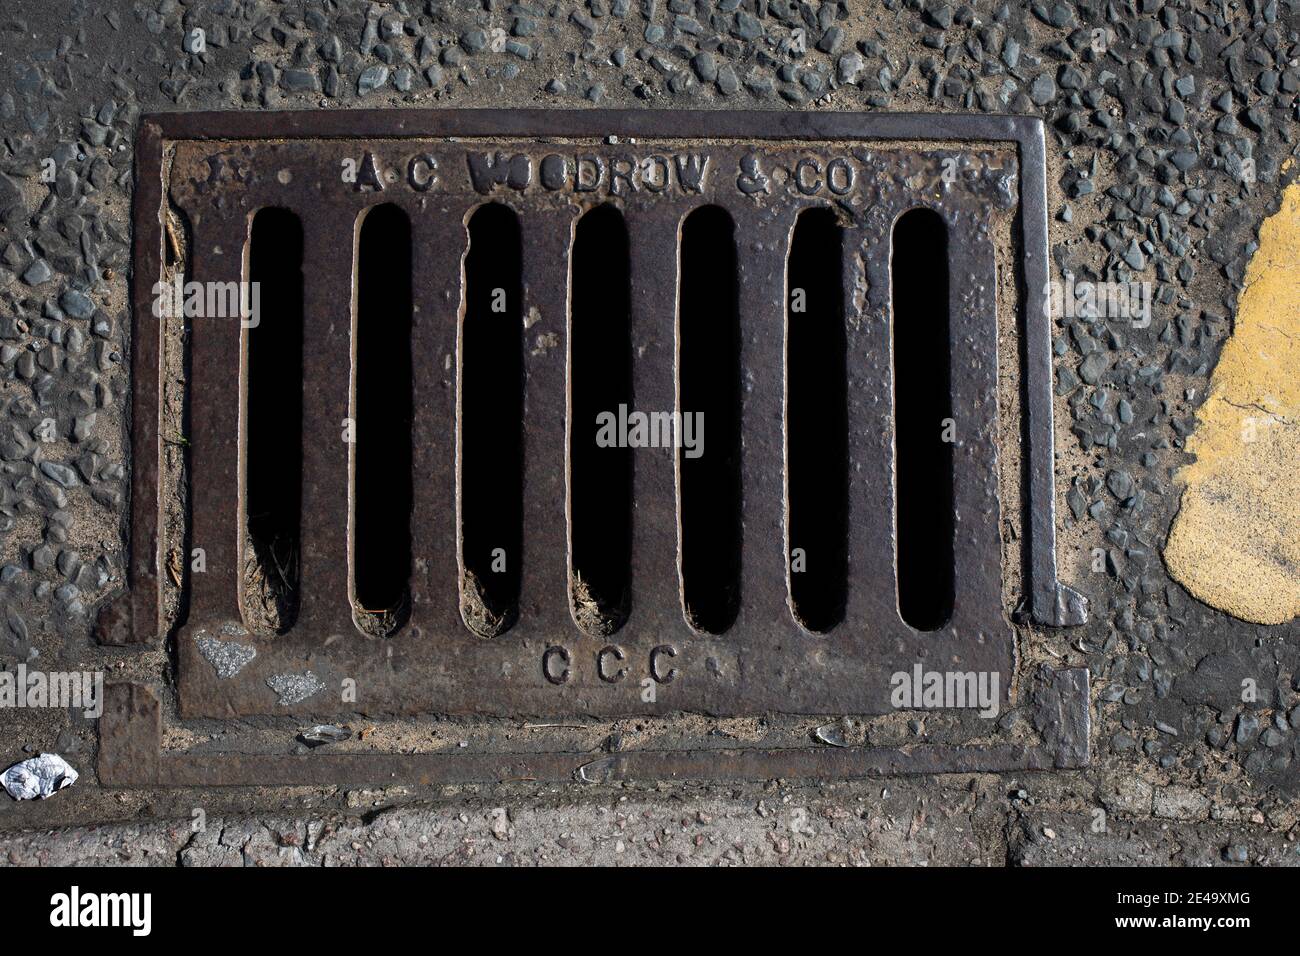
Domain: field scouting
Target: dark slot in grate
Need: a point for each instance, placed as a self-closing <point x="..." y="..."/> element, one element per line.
<point x="816" y="410"/>
<point x="708" y="419"/>
<point x="491" y="407"/>
<point x="600" y="393"/>
<point x="272" y="411"/>
<point x="924" y="427"/>
<point x="384" y="411"/>
<point x="513" y="275"/>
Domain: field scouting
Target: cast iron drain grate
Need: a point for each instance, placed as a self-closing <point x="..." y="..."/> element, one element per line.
<point x="541" y="647"/>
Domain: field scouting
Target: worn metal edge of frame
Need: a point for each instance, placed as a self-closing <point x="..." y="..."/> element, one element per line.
<point x="130" y="754"/>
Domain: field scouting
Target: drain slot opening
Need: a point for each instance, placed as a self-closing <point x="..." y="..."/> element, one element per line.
<point x="273" y="405"/>
<point x="491" y="422"/>
<point x="382" y="489"/>
<point x="600" y="394"/>
<point x="816" y="422"/>
<point x="923" y="436"/>
<point x="708" y="390"/>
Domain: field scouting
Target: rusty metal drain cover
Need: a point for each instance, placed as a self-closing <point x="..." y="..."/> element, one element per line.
<point x="206" y="175"/>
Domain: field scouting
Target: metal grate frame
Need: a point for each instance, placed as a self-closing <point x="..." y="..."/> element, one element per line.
<point x="225" y="166"/>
